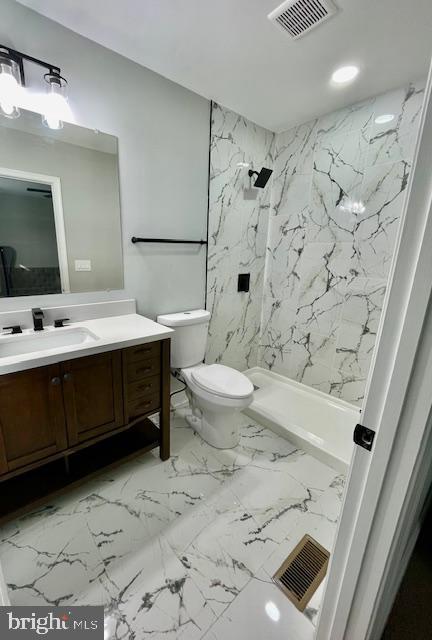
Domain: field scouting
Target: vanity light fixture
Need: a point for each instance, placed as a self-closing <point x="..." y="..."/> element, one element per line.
<point x="12" y="84"/>
<point x="55" y="101"/>
<point x="343" y="75"/>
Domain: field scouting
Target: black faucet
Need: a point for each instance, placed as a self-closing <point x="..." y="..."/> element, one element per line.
<point x="37" y="319"/>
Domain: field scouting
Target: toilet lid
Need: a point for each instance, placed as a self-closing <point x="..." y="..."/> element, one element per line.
<point x="223" y="381"/>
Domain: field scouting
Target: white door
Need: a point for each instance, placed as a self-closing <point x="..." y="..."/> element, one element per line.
<point x="347" y="608"/>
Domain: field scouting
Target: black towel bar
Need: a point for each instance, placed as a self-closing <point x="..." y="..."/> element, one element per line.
<point x="167" y="240"/>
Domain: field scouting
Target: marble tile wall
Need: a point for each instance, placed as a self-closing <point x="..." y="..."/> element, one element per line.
<point x="338" y="191"/>
<point x="238" y="220"/>
<point x="329" y="218"/>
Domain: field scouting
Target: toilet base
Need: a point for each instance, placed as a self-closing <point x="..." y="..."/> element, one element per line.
<point x="220" y="428"/>
<point x="217" y="433"/>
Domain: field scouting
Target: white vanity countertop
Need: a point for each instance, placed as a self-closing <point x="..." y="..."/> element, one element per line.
<point x="111" y="333"/>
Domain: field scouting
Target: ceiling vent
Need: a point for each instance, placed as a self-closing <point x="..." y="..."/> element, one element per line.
<point x="297" y="17"/>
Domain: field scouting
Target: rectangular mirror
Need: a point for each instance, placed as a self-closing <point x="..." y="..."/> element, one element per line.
<point x="60" y="227"/>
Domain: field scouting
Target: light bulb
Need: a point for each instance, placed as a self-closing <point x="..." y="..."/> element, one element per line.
<point x="9" y="88"/>
<point x="56" y="108"/>
<point x="53" y="108"/>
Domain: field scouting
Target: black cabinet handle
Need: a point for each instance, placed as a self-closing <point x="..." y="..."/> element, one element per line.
<point x="55" y="381"/>
<point x="67" y="377"/>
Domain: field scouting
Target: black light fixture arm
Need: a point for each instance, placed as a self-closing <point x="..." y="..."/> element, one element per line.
<point x="252" y="173"/>
<point x="20" y="57"/>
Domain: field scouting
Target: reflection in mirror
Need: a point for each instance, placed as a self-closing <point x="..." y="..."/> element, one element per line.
<point x="59" y="209"/>
<point x="30" y="254"/>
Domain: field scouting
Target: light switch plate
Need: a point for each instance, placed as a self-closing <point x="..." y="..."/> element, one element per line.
<point x="83" y="265"/>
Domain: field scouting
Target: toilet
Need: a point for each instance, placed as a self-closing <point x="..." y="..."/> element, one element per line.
<point x="216" y="393"/>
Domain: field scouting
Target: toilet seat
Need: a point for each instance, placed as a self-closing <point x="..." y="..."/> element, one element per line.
<point x="222" y="381"/>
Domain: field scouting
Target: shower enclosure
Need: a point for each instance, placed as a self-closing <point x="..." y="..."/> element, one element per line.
<point x="318" y="243"/>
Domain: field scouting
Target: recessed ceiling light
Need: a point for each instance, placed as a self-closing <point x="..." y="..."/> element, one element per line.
<point x="385" y="117"/>
<point x="345" y="74"/>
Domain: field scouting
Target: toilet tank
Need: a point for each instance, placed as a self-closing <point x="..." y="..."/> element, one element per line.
<point x="188" y="346"/>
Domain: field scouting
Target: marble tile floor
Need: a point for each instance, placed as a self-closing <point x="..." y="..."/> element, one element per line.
<point x="185" y="548"/>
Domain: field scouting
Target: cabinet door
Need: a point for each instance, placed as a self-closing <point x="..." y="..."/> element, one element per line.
<point x="32" y="422"/>
<point x="92" y="390"/>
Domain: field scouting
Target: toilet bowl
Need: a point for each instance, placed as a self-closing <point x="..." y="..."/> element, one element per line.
<point x="216" y="393"/>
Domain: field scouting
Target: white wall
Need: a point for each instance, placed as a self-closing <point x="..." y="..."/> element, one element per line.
<point x="163" y="132"/>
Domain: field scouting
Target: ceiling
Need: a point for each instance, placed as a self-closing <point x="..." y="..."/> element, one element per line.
<point x="228" y="51"/>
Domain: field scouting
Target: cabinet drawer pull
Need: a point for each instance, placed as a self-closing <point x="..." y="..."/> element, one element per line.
<point x="142" y="405"/>
<point x="143" y="352"/>
<point x="144" y="387"/>
<point x="55" y="381"/>
<point x="67" y="377"/>
<point x="140" y="370"/>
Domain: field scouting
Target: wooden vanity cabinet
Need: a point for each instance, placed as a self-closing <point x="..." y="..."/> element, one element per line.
<point x="56" y="411"/>
<point x="32" y="420"/>
<point x="92" y="393"/>
<point x="146" y="386"/>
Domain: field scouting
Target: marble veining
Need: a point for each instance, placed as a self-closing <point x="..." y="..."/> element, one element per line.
<point x="338" y="193"/>
<point x="318" y="241"/>
<point x="176" y="549"/>
<point x="238" y="220"/>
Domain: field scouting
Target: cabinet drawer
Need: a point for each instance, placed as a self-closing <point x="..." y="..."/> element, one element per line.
<point x="142" y="369"/>
<point x="143" y="388"/>
<point x="143" y="352"/>
<point x="144" y="405"/>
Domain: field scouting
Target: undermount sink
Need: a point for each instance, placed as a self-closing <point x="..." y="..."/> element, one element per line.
<point x="22" y="344"/>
